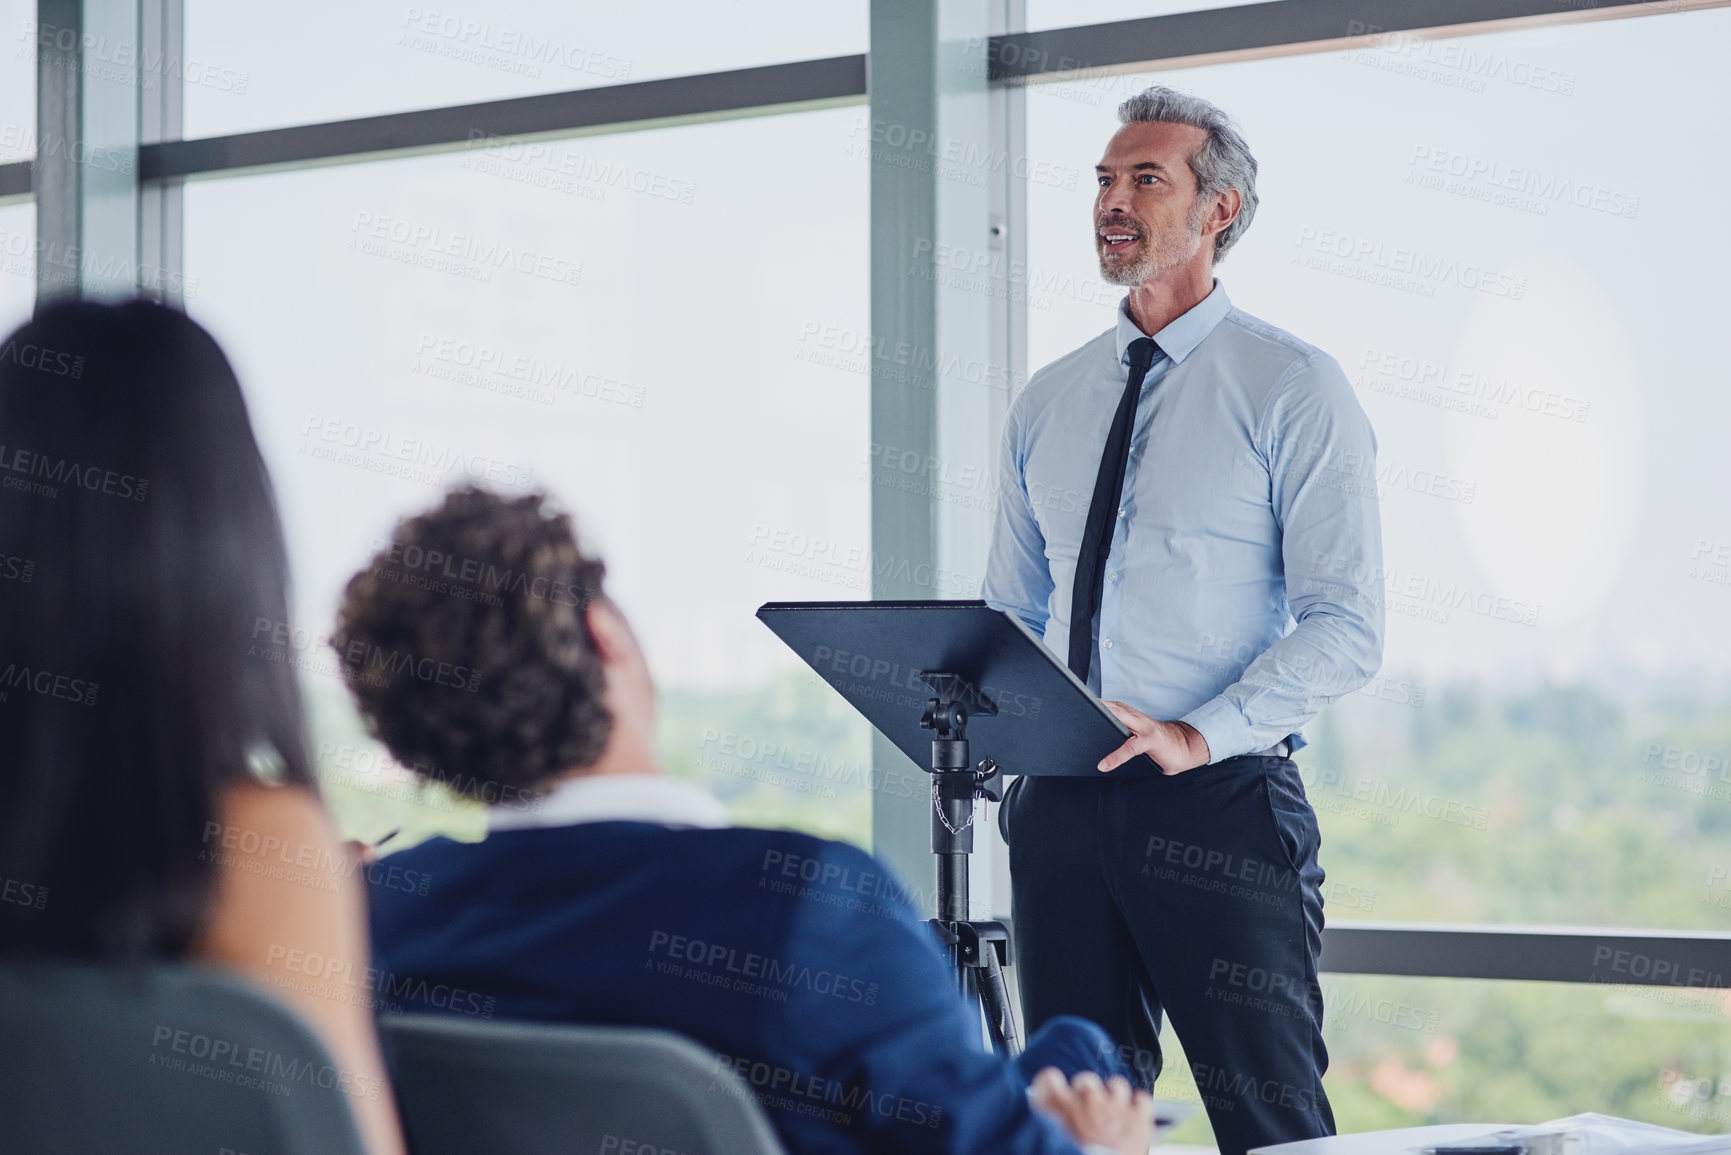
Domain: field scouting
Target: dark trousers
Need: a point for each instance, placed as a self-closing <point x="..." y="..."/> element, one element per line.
<point x="1196" y="895"/>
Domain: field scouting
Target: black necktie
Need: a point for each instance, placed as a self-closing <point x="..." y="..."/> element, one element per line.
<point x="1103" y="512"/>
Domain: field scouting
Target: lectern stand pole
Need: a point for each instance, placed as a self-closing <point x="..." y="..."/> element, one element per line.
<point x="978" y="950"/>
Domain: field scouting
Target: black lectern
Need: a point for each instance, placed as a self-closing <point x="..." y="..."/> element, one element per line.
<point x="935" y="677"/>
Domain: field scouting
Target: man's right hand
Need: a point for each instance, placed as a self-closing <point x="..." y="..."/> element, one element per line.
<point x="1105" y="1114"/>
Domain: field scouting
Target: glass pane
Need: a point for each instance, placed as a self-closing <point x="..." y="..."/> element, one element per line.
<point x="1500" y="239"/>
<point x="18" y="33"/>
<point x="17" y="264"/>
<point x="1044" y="14"/>
<point x="248" y="68"/>
<point x="1409" y="1052"/>
<point x="642" y="324"/>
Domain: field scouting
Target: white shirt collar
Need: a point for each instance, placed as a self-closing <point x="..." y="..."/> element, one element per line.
<point x="615" y="798"/>
<point x="1184" y="332"/>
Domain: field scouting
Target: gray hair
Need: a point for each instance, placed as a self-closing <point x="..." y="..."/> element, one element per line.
<point x="1223" y="162"/>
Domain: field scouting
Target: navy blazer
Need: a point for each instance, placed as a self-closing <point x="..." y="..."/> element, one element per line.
<point x="798" y="960"/>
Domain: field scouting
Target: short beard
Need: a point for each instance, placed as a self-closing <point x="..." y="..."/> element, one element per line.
<point x="1173" y="249"/>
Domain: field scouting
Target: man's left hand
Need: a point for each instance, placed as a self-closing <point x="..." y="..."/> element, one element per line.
<point x="1174" y="746"/>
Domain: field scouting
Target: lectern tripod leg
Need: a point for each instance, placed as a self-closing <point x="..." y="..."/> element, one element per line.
<point x="974" y="949"/>
<point x="995" y="1002"/>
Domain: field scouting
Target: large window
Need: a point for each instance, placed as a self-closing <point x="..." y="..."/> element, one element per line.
<point x="649" y="326"/>
<point x="1409" y="1051"/>
<point x="18" y="33"/>
<point x="248" y="68"/>
<point x="17" y="143"/>
<point x="1502" y="240"/>
<point x="1498" y="245"/>
<point x="1508" y="240"/>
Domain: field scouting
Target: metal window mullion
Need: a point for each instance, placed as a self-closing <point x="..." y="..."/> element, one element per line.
<point x="776" y="88"/>
<point x="1008" y="356"/>
<point x="903" y="83"/>
<point x="161" y="211"/>
<point x="55" y="178"/>
<point x="15" y="181"/>
<point x="89" y="70"/>
<point x="1282" y="27"/>
<point x="1531" y="954"/>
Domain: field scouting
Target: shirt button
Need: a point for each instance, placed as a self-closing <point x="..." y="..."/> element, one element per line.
<point x="1112" y="575"/>
<point x="1107" y="643"/>
<point x="1120" y="511"/>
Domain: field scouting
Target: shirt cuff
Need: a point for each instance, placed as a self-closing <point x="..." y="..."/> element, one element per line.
<point x="1223" y="727"/>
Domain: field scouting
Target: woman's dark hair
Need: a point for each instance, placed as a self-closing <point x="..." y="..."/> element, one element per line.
<point x="142" y="574"/>
<point x="466" y="645"/>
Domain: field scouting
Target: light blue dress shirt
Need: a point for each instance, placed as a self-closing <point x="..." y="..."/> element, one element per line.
<point x="1243" y="589"/>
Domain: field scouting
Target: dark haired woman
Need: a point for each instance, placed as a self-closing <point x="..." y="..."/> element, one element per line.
<point x="159" y="801"/>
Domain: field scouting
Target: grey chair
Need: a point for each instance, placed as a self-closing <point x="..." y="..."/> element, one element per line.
<point x="162" y="1060"/>
<point x="497" y="1088"/>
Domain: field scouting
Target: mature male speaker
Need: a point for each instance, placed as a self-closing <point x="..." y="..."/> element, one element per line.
<point x="1188" y="513"/>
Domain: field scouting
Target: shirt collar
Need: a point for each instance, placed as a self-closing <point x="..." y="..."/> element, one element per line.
<point x="615" y="798"/>
<point x="1184" y="332"/>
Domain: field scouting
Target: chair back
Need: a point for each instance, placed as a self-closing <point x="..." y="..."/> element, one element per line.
<point x="163" y="1060"/>
<point x="511" y="1088"/>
